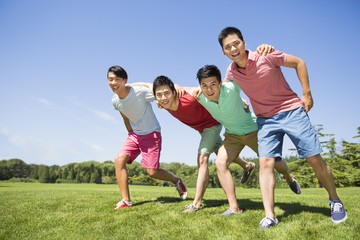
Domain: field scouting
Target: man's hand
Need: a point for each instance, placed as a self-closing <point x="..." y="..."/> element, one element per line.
<point x="307" y="102"/>
<point x="196" y="93"/>
<point x="264" y="49"/>
<point x="180" y="91"/>
<point x="247" y="105"/>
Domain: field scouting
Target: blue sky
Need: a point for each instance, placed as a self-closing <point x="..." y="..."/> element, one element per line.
<point x="55" y="103"/>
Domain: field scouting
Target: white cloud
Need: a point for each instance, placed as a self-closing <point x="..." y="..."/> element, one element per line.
<point x="44" y="101"/>
<point x="104" y="115"/>
<point x="99" y="114"/>
<point x="40" y="151"/>
<point x="95" y="147"/>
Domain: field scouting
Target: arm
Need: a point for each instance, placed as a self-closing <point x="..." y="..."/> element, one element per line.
<point x="143" y="84"/>
<point x="189" y="89"/>
<point x="180" y="91"/>
<point x="127" y="123"/>
<point x="196" y="92"/>
<point x="307" y="101"/>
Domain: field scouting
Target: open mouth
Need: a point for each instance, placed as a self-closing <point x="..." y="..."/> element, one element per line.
<point x="235" y="55"/>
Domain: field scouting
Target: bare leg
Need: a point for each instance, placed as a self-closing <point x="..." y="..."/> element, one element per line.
<point x="202" y="179"/>
<point x="222" y="162"/>
<point x="244" y="164"/>
<point x="324" y="174"/>
<point x="267" y="185"/>
<point x="162" y="174"/>
<point x="281" y="167"/>
<point x="122" y="175"/>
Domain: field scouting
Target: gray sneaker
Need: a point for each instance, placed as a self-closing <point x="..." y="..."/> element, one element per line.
<point x="229" y="212"/>
<point x="294" y="185"/>
<point x="267" y="222"/>
<point x="246" y="174"/>
<point x="191" y="208"/>
<point x="338" y="213"/>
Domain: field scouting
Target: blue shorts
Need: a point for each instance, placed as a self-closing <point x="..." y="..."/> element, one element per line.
<point x="296" y="125"/>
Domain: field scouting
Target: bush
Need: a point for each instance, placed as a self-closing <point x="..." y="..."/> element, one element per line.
<point x="61" y="180"/>
<point x="17" y="180"/>
<point x="108" y="180"/>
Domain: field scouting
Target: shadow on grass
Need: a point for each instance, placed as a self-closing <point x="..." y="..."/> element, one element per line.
<point x="169" y="199"/>
<point x="296" y="208"/>
<point x="247" y="204"/>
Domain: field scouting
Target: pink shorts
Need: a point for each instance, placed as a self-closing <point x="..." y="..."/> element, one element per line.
<point x="148" y="145"/>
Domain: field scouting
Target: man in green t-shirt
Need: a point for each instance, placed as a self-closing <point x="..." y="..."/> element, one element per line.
<point x="223" y="102"/>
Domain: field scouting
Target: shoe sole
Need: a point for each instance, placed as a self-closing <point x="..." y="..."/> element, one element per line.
<point x="184" y="196"/>
<point x="250" y="171"/>
<point x="341" y="220"/>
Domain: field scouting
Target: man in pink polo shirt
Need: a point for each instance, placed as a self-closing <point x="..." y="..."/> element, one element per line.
<point x="279" y="111"/>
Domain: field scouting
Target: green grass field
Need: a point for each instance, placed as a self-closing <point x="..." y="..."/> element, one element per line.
<point x="85" y="211"/>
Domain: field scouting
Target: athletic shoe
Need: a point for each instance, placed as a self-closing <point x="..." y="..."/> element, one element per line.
<point x="338" y="213"/>
<point x="122" y="204"/>
<point x="229" y="212"/>
<point x="180" y="187"/>
<point x="267" y="222"/>
<point x="246" y="174"/>
<point x="191" y="208"/>
<point x="294" y="185"/>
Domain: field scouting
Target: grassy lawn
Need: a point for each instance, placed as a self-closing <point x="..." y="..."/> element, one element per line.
<point x="85" y="211"/>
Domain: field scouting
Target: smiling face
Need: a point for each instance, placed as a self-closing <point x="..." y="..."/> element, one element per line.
<point x="166" y="98"/>
<point x="117" y="84"/>
<point x="210" y="87"/>
<point x="234" y="48"/>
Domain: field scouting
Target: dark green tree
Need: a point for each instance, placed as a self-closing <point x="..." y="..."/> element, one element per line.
<point x="44" y="176"/>
<point x="4" y="170"/>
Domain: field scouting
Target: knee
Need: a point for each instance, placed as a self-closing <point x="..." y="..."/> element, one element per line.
<point x="317" y="162"/>
<point x="121" y="160"/>
<point x="151" y="172"/>
<point x="220" y="165"/>
<point x="266" y="162"/>
<point x="203" y="161"/>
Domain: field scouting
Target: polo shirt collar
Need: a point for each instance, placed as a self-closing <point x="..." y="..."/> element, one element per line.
<point x="251" y="57"/>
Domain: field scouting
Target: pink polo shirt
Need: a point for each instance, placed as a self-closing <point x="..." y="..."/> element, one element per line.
<point x="263" y="82"/>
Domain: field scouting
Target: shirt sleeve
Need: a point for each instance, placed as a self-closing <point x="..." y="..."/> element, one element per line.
<point x="115" y="103"/>
<point x="146" y="93"/>
<point x="276" y="58"/>
<point x="228" y="76"/>
<point x="232" y="86"/>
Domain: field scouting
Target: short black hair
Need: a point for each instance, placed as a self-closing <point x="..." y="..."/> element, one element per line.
<point x="228" y="31"/>
<point x="208" y="71"/>
<point x="163" y="81"/>
<point x="118" y="71"/>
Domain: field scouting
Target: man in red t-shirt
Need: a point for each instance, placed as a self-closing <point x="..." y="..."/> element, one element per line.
<point x="190" y="112"/>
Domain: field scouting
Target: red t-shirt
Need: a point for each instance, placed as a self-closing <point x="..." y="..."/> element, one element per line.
<point x="193" y="114"/>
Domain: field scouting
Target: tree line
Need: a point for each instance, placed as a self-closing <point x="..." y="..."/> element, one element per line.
<point x="344" y="159"/>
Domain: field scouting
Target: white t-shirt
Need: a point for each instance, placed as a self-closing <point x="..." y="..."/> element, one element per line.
<point x="137" y="108"/>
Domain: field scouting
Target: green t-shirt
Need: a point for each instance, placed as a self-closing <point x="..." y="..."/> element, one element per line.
<point x="230" y="110"/>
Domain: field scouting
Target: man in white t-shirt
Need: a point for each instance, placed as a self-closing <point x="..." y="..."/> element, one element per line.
<point x="144" y="137"/>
